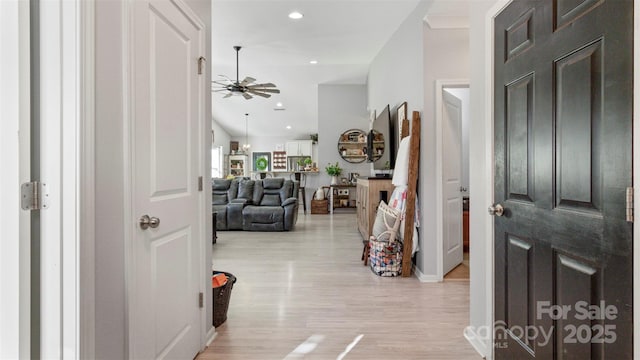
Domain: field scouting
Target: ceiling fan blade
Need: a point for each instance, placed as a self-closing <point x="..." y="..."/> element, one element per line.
<point x="273" y="91"/>
<point x="225" y="76"/>
<point x="258" y="93"/>
<point x="223" y="83"/>
<point x="247" y="96"/>
<point x="264" y="85"/>
<point x="219" y="90"/>
<point x="247" y="80"/>
<point x="228" y="95"/>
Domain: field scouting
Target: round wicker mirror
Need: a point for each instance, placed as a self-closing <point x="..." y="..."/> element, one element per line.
<point x="352" y="146"/>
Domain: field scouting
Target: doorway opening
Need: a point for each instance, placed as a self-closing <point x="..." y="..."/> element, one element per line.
<point x="453" y="193"/>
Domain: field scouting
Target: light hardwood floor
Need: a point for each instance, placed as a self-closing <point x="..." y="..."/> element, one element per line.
<point x="293" y="285"/>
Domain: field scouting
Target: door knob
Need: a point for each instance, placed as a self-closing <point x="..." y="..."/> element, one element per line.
<point x="149" y="222"/>
<point x="496" y="210"/>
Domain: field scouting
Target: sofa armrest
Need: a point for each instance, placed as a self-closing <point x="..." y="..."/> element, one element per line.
<point x="241" y="201"/>
<point x="234" y="214"/>
<point x="289" y="201"/>
<point x="290" y="206"/>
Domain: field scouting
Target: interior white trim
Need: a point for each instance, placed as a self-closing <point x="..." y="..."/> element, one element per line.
<point x="86" y="276"/>
<point x="15" y="153"/>
<point x="127" y="171"/>
<point x="636" y="177"/>
<point x="475" y="339"/>
<point x="424" y="278"/>
<point x="211" y="335"/>
<point x="440" y="85"/>
<point x="489" y="234"/>
<point x="52" y="174"/>
<point x="438" y="22"/>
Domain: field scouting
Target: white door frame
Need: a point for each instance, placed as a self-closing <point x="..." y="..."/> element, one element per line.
<point x="489" y="146"/>
<point x="15" y="226"/>
<point x="66" y="156"/>
<point x="440" y="85"/>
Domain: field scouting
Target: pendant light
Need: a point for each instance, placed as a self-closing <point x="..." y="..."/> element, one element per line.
<point x="246" y="145"/>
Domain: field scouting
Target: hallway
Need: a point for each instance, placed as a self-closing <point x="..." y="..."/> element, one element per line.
<point x="293" y="285"/>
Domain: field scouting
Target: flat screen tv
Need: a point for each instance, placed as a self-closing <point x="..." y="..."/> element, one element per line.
<point x="381" y="142"/>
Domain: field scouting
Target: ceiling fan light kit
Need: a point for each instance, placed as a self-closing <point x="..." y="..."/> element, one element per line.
<point x="245" y="88"/>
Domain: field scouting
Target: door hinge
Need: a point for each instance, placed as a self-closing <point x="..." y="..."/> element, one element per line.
<point x="201" y="60"/>
<point x="201" y="300"/>
<point x="200" y="183"/>
<point x="34" y="196"/>
<point x="629" y="206"/>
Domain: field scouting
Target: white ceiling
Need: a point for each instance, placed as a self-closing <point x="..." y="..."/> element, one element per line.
<point x="343" y="36"/>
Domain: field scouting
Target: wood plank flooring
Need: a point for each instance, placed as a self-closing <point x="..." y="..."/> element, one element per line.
<point x="294" y="285"/>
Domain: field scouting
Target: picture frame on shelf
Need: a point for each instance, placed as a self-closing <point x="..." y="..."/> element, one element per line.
<point x="401" y="114"/>
<point x="261" y="161"/>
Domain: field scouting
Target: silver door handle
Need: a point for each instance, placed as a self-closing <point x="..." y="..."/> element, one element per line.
<point x="149" y="222"/>
<point x="496" y="210"/>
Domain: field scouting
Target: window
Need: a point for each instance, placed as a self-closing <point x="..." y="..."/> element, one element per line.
<point x="216" y="162"/>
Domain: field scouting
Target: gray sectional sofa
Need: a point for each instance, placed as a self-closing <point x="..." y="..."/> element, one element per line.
<point x="255" y="205"/>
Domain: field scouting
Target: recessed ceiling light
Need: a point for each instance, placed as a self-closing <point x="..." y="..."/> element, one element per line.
<point x="313" y="62"/>
<point x="295" y="15"/>
<point x="279" y="104"/>
<point x="288" y="127"/>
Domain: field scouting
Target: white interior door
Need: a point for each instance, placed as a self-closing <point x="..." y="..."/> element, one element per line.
<point x="451" y="180"/>
<point x="167" y="109"/>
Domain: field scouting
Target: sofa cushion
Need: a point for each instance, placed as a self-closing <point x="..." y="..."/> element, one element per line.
<point x="220" y="184"/>
<point x="272" y="183"/>
<point x="270" y="200"/>
<point x="245" y="189"/>
<point x="232" y="193"/>
<point x="220" y="198"/>
<point x="263" y="214"/>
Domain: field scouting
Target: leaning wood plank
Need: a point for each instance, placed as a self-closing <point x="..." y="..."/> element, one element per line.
<point x="414" y="162"/>
<point x="404" y="129"/>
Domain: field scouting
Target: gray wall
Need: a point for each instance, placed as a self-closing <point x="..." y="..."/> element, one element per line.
<point x="396" y="75"/>
<point x="340" y="108"/>
<point x="221" y="137"/>
<point x="110" y="293"/>
<point x="446" y="54"/>
<point x="406" y="70"/>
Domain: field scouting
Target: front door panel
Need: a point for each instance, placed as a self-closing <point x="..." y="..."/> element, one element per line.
<point x="563" y="125"/>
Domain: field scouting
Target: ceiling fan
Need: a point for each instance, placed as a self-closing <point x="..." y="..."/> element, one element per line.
<point x="246" y="87"/>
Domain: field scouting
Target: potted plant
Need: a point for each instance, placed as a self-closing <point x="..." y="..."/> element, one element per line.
<point x="333" y="170"/>
<point x="307" y="164"/>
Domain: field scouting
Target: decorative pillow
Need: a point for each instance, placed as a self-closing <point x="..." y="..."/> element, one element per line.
<point x="386" y="224"/>
<point x="245" y="189"/>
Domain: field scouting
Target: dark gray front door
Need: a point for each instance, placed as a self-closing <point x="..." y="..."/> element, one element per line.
<point x="563" y="155"/>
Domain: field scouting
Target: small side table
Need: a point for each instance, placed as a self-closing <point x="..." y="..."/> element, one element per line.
<point x="332" y="189"/>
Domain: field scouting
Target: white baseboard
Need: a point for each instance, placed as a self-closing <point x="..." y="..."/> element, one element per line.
<point x="424" y="278"/>
<point x="475" y="341"/>
<point x="211" y="335"/>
